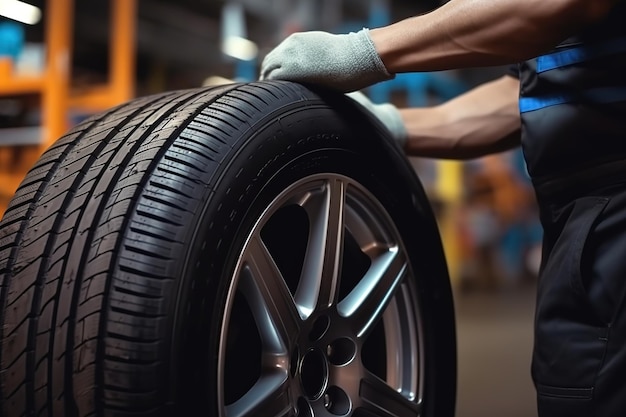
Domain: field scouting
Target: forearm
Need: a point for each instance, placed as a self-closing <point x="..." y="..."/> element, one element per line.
<point x="474" y="33"/>
<point x="482" y="121"/>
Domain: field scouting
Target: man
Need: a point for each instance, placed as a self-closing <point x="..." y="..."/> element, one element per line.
<point x="567" y="108"/>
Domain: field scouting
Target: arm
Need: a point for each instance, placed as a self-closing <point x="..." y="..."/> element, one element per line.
<point x="459" y="34"/>
<point x="481" y="121"/>
<point x="473" y="33"/>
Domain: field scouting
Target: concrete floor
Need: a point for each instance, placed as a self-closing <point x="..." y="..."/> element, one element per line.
<point x="494" y="332"/>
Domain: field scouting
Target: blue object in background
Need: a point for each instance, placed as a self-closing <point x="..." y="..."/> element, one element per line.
<point x="418" y="87"/>
<point x="379" y="14"/>
<point x="246" y="70"/>
<point x="11" y="39"/>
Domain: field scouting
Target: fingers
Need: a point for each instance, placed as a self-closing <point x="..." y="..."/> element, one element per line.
<point x="344" y="62"/>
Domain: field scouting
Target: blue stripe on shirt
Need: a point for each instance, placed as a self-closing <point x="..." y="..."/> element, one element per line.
<point x="596" y="95"/>
<point x="581" y="54"/>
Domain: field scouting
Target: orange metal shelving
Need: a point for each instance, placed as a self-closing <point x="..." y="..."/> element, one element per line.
<point x="54" y="84"/>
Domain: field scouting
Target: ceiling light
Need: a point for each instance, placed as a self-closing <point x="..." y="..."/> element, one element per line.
<point x="20" y="11"/>
<point x="240" y="48"/>
<point x="235" y="42"/>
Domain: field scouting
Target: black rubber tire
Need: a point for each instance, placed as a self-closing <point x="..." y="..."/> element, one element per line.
<point x="115" y="248"/>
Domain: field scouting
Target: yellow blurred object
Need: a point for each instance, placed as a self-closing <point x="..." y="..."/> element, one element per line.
<point x="449" y="189"/>
<point x="57" y="98"/>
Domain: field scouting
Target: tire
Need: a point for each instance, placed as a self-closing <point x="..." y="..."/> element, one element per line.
<point x="259" y="249"/>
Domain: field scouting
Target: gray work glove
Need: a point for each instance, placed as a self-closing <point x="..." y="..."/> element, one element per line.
<point x="387" y="113"/>
<point x="346" y="62"/>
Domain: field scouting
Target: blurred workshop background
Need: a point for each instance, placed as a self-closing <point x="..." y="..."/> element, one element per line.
<point x="64" y="60"/>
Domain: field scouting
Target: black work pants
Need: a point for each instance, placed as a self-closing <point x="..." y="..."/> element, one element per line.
<point x="579" y="357"/>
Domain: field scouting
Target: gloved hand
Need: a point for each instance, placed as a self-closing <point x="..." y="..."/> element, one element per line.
<point x="346" y="62"/>
<point x="387" y="113"/>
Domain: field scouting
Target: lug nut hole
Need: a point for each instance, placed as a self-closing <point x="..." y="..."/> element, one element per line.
<point x="341" y="351"/>
<point x="303" y="408"/>
<point x="337" y="401"/>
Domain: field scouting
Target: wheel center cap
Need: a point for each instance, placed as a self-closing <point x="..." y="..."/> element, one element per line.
<point x="313" y="374"/>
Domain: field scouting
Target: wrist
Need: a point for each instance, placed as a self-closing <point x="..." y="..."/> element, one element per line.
<point x="389" y="43"/>
<point x="371" y="66"/>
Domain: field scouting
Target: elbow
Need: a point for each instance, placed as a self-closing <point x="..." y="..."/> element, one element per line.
<point x="590" y="12"/>
<point x="599" y="9"/>
<point x="555" y="20"/>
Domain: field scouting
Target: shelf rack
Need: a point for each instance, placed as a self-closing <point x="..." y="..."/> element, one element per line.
<point x="21" y="147"/>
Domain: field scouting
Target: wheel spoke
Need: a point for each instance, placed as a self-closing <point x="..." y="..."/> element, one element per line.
<point x="365" y="304"/>
<point x="381" y="400"/>
<point x="319" y="281"/>
<point x="269" y="397"/>
<point x="270" y="300"/>
<point x="334" y="206"/>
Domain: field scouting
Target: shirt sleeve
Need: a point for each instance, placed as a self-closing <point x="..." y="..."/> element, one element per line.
<point x="513" y="71"/>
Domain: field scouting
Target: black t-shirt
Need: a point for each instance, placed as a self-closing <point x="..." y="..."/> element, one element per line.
<point x="573" y="101"/>
<point x="513" y="71"/>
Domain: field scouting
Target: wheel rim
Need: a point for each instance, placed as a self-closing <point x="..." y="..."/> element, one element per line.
<point x="322" y="318"/>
